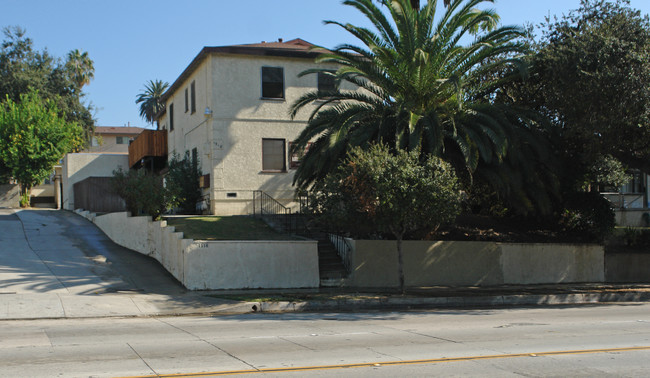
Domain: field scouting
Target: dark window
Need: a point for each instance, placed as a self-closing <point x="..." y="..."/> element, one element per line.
<point x="121" y="140"/>
<point x="326" y="83"/>
<point x="272" y="82"/>
<point x="171" y="117"/>
<point x="187" y="104"/>
<point x="273" y="155"/>
<point x="294" y="159"/>
<point x="193" y="97"/>
<point x="195" y="156"/>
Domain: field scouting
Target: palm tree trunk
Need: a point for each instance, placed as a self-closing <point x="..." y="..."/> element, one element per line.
<point x="416" y="4"/>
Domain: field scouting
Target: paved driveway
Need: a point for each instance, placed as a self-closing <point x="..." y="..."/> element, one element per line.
<point x="49" y="251"/>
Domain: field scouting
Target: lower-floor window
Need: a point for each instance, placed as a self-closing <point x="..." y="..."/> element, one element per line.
<point x="273" y="155"/>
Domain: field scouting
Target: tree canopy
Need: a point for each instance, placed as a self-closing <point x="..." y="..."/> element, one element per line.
<point x="149" y="99"/>
<point x="421" y="88"/>
<point x="23" y="69"/>
<point x="591" y="77"/>
<point x="33" y="138"/>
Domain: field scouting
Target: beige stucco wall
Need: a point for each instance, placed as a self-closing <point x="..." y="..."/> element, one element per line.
<point x="454" y="263"/>
<point x="79" y="166"/>
<point x="109" y="144"/>
<point x="252" y="264"/>
<point x="215" y="265"/>
<point x="230" y="141"/>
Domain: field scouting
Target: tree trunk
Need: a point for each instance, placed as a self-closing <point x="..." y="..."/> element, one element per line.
<point x="400" y="264"/>
<point x="415" y="4"/>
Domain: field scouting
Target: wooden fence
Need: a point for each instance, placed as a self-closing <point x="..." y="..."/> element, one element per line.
<point x="96" y="195"/>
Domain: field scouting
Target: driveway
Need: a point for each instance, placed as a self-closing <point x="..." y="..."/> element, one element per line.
<point x="49" y="251"/>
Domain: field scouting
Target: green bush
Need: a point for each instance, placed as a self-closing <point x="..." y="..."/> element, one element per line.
<point x="182" y="180"/>
<point x="589" y="215"/>
<point x="382" y="193"/>
<point x="142" y="192"/>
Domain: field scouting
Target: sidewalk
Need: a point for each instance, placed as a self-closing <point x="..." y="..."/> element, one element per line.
<point x="61" y="305"/>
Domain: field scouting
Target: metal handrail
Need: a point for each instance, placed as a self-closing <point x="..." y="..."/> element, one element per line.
<point x="343" y="249"/>
<point x="272" y="211"/>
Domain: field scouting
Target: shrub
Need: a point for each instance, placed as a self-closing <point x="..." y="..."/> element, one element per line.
<point x="380" y="192"/>
<point x="182" y="180"/>
<point x="142" y="192"/>
<point x="588" y="214"/>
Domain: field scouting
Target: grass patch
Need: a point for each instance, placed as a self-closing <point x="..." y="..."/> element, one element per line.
<point x="225" y="228"/>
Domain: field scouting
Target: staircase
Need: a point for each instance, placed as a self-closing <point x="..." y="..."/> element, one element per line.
<point x="330" y="265"/>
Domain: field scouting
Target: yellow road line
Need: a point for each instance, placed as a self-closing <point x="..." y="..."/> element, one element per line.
<point x="394" y="363"/>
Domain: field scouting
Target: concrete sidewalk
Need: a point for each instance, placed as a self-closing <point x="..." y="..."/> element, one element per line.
<point x="61" y="305"/>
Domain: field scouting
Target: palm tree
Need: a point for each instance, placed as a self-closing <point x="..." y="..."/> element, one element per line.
<point x="419" y="88"/>
<point x="81" y="67"/>
<point x="149" y="99"/>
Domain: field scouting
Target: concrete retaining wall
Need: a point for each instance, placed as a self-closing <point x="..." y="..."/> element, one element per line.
<point x="10" y="195"/>
<point x="632" y="217"/>
<point x="627" y="267"/>
<point x="456" y="263"/>
<point x="215" y="265"/>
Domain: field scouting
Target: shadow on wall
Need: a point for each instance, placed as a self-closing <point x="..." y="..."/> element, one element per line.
<point x="10" y="195"/>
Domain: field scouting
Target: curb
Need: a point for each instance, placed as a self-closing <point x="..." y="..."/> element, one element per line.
<point x="449" y="302"/>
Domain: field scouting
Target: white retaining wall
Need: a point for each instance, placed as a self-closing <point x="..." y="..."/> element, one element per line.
<point x="215" y="265"/>
<point x="464" y="263"/>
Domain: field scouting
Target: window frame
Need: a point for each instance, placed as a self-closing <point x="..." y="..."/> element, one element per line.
<point x="121" y="139"/>
<point x="283" y="96"/>
<point x="193" y="97"/>
<point x="187" y="104"/>
<point x="320" y="75"/>
<point x="284" y="156"/>
<point x="294" y="159"/>
<point x="171" y="116"/>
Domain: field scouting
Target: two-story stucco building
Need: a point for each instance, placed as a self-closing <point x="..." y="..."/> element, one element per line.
<point x="230" y="108"/>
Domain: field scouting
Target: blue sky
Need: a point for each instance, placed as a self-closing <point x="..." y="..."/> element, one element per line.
<point x="134" y="41"/>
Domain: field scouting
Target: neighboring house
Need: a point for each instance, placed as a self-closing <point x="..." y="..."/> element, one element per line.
<point x="631" y="202"/>
<point x="230" y="109"/>
<point x="113" y="139"/>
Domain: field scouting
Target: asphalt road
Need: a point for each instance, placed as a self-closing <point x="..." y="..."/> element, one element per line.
<point x="598" y="340"/>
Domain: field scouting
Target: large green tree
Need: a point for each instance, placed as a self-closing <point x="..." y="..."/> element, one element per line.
<point x="422" y="87"/>
<point x="591" y="77"/>
<point x="149" y="99"/>
<point x="34" y="136"/>
<point x="23" y="69"/>
<point x="388" y="193"/>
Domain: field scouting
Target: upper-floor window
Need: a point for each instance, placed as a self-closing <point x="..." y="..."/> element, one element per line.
<point x="171" y="117"/>
<point x="272" y="82"/>
<point x="121" y="140"/>
<point x="193" y="97"/>
<point x="187" y="103"/>
<point x="273" y="155"/>
<point x="326" y="83"/>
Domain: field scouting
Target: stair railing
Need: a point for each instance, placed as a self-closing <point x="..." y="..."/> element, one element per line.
<point x="273" y="212"/>
<point x="343" y="248"/>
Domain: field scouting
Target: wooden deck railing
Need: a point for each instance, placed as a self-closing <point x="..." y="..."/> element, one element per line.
<point x="148" y="143"/>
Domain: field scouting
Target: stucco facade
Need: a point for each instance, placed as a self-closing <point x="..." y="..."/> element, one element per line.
<point x="231" y="119"/>
<point x="110" y="139"/>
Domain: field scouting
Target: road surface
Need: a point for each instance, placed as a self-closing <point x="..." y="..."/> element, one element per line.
<point x="598" y="340"/>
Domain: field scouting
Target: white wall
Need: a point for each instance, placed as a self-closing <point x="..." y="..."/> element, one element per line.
<point x="215" y="265"/>
<point x="79" y="166"/>
<point x="458" y="263"/>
